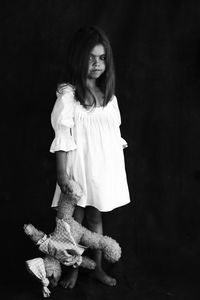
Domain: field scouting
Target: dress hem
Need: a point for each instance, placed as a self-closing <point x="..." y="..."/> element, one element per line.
<point x="101" y="210"/>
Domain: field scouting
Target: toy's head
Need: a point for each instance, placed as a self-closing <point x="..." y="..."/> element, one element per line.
<point x="33" y="233"/>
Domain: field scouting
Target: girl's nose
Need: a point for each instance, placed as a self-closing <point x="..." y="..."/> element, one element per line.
<point x="96" y="61"/>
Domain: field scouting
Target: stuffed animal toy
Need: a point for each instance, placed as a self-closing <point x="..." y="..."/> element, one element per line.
<point x="67" y="243"/>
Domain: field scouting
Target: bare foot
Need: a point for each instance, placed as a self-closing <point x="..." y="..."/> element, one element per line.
<point x="100" y="275"/>
<point x="69" y="281"/>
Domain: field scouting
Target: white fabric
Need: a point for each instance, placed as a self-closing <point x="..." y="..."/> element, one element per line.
<point x="95" y="157"/>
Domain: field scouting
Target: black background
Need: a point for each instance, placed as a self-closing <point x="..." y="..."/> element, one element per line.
<point x="156" y="47"/>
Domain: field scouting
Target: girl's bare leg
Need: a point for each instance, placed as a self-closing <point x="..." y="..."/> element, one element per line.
<point x="70" y="279"/>
<point x="94" y="221"/>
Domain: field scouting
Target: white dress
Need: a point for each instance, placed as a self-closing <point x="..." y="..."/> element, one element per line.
<point x="95" y="156"/>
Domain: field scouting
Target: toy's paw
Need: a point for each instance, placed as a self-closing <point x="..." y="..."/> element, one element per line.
<point x="29" y="229"/>
<point x="88" y="263"/>
<point x="33" y="233"/>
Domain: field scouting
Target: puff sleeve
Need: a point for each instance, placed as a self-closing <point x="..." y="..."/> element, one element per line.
<point x="62" y="120"/>
<point x="118" y="117"/>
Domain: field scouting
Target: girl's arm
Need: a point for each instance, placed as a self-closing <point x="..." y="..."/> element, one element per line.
<point x="62" y="177"/>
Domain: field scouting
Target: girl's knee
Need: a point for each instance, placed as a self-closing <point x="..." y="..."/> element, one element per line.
<point x="93" y="215"/>
<point x="79" y="214"/>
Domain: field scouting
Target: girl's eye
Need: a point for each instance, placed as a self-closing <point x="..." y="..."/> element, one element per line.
<point x="91" y="58"/>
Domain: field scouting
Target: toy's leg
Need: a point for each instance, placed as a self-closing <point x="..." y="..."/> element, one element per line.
<point x="94" y="221"/>
<point x="69" y="280"/>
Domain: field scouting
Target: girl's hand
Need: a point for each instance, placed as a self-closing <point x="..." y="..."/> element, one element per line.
<point x="64" y="183"/>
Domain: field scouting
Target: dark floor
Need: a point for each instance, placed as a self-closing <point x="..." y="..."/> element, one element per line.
<point x="134" y="282"/>
<point x="176" y="279"/>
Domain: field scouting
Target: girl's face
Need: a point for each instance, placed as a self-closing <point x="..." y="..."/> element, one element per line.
<point x="96" y="64"/>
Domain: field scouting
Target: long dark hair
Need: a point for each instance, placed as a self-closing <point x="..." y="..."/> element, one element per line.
<point x="76" y="68"/>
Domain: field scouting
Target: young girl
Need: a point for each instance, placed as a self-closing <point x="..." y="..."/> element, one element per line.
<point x="88" y="143"/>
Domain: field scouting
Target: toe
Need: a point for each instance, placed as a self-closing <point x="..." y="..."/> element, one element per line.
<point x="64" y="284"/>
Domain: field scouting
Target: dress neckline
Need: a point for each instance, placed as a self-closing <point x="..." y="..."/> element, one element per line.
<point x="92" y="107"/>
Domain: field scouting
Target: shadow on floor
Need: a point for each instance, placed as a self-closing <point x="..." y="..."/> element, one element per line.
<point x="134" y="282"/>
